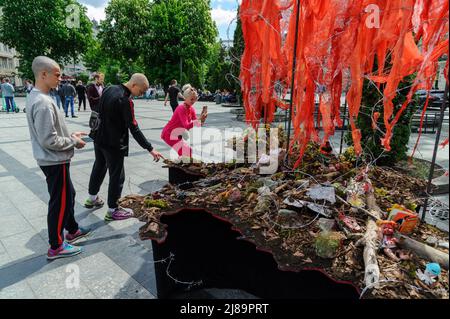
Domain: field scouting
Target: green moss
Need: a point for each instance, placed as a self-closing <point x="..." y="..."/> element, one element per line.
<point x="253" y="187"/>
<point x="156" y="203"/>
<point x="349" y="155"/>
<point x="411" y="205"/>
<point x="382" y="192"/>
<point x="327" y="244"/>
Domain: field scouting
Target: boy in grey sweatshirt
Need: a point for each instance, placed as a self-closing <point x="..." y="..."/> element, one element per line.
<point x="53" y="148"/>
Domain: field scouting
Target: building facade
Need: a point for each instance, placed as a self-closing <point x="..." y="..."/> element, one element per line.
<point x="72" y="69"/>
<point x="9" y="64"/>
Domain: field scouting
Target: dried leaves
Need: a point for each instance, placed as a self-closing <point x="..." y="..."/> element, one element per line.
<point x="289" y="231"/>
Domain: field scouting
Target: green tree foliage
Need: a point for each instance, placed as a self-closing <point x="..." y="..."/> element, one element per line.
<point x="117" y="52"/>
<point x="225" y="66"/>
<point x="123" y="31"/>
<point x="94" y="57"/>
<point x="158" y="37"/>
<point x="371" y="139"/>
<point x="84" y="77"/>
<point x="219" y="74"/>
<point x="40" y="27"/>
<point x="181" y="32"/>
<point x="236" y="53"/>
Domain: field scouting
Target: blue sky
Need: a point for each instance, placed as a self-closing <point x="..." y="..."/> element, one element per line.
<point x="223" y="13"/>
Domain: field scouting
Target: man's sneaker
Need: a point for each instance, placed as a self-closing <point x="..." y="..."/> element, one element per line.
<point x="65" y="250"/>
<point x="81" y="232"/>
<point x="119" y="214"/>
<point x="74" y="116"/>
<point x="97" y="203"/>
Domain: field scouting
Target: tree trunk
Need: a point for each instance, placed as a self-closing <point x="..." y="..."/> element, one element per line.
<point x="422" y="250"/>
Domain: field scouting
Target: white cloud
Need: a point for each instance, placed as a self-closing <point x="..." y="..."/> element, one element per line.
<point x="223" y="17"/>
<point x="95" y="13"/>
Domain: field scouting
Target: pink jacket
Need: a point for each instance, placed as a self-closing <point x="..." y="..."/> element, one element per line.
<point x="182" y="118"/>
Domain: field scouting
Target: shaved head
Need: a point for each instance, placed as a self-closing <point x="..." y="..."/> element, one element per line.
<point x="46" y="72"/>
<point x="140" y="80"/>
<point x="43" y="64"/>
<point x="138" y="84"/>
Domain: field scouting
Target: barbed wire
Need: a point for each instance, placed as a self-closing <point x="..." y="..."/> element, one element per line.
<point x="190" y="284"/>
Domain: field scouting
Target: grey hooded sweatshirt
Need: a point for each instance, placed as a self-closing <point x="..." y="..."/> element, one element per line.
<point x="50" y="139"/>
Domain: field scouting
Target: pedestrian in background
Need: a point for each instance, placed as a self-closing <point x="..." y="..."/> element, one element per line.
<point x="8" y="94"/>
<point x="173" y="94"/>
<point x="95" y="90"/>
<point x="69" y="94"/>
<point x="81" y="92"/>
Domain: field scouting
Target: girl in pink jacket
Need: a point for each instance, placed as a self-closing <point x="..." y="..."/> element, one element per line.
<point x="183" y="119"/>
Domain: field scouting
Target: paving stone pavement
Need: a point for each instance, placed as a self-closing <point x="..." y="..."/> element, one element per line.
<point x="115" y="262"/>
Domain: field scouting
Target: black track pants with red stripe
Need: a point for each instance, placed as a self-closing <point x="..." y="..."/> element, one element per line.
<point x="62" y="203"/>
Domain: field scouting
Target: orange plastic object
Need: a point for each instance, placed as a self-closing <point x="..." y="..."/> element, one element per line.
<point x="406" y="219"/>
<point x="340" y="43"/>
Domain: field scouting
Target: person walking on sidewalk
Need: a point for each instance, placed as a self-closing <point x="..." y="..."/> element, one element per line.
<point x="69" y="93"/>
<point x="60" y="91"/>
<point x="54" y="93"/>
<point x="53" y="148"/>
<point x="28" y="86"/>
<point x="3" y="96"/>
<point x="111" y="140"/>
<point x="8" y="94"/>
<point x="81" y="92"/>
<point x="173" y="94"/>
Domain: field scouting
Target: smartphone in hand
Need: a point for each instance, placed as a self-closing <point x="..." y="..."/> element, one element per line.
<point x="87" y="139"/>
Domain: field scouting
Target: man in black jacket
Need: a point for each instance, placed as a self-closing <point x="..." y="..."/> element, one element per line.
<point x="111" y="143"/>
<point x="81" y="92"/>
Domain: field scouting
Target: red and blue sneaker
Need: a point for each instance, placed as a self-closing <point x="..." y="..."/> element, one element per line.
<point x="80" y="233"/>
<point x="65" y="250"/>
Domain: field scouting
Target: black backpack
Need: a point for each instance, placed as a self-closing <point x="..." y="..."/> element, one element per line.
<point x="94" y="123"/>
<point x="95" y="120"/>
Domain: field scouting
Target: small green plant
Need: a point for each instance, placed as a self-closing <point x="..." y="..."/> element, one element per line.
<point x="159" y="203"/>
<point x="349" y="155"/>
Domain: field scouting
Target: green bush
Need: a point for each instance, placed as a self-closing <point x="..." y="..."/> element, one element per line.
<point x="371" y="139"/>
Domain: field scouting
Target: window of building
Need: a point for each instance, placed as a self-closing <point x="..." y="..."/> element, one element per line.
<point x="3" y="63"/>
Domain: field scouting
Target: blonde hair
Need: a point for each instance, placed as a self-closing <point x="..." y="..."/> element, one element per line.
<point x="188" y="91"/>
